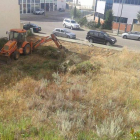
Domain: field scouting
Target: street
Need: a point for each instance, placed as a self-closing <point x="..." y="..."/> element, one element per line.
<point x="54" y="20"/>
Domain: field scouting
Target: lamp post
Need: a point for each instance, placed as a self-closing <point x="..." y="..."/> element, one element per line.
<point x="120" y="16"/>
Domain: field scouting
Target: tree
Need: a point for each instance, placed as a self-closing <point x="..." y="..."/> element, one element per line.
<point x="75" y="12"/>
<point x="99" y="23"/>
<point x="138" y="16"/>
<point x="108" y="20"/>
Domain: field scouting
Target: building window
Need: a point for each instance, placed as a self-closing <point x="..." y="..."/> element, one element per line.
<point x="135" y="2"/>
<point x="122" y="20"/>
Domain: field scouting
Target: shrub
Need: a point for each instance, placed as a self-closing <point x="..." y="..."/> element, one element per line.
<point x="85" y="67"/>
<point x="75" y="13"/>
<point x="135" y="135"/>
<point x="83" y="21"/>
<point x="29" y="33"/>
<point x="99" y="23"/>
<point x="2" y="42"/>
<point x="108" y="20"/>
<point x="91" y="25"/>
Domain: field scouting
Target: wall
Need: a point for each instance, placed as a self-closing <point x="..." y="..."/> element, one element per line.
<point x="61" y="4"/>
<point x="129" y="11"/>
<point x="9" y="16"/>
<point x="136" y="27"/>
<point x="123" y="27"/>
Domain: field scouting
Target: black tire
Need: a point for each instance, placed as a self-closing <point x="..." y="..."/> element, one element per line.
<point x="91" y="40"/>
<point x="71" y="28"/>
<point x="64" y="25"/>
<point x="68" y="37"/>
<point x="125" y="37"/>
<point x="16" y="55"/>
<point x="27" y="49"/>
<point x="139" y="39"/>
<point x="108" y="43"/>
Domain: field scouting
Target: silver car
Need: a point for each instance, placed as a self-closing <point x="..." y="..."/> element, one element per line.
<point x="131" y="35"/>
<point x="64" y="33"/>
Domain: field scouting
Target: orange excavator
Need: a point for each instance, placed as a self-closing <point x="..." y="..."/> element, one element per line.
<point x="17" y="44"/>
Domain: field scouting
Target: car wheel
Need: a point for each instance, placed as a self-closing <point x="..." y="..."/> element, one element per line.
<point x="125" y="37"/>
<point x="91" y="40"/>
<point x="139" y="39"/>
<point x="68" y="37"/>
<point x="108" y="44"/>
<point x="71" y="28"/>
<point x="64" y="25"/>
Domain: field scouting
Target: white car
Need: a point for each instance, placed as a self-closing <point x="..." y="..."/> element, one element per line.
<point x="70" y="23"/>
<point x="131" y="35"/>
<point x="39" y="12"/>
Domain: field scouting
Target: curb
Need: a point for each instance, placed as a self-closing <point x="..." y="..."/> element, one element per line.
<point x="84" y="42"/>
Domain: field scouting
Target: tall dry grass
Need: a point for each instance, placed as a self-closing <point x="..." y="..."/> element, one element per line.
<point x="104" y="105"/>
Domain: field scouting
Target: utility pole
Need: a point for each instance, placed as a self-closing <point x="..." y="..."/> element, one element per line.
<point x="44" y="8"/>
<point x="120" y="16"/>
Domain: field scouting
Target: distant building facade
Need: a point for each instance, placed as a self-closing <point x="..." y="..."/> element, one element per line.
<point x="28" y="6"/>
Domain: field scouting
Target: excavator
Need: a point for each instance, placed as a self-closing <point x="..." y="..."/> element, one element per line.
<point x="18" y="45"/>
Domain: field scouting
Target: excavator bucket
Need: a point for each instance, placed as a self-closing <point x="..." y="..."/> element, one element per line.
<point x="4" y="59"/>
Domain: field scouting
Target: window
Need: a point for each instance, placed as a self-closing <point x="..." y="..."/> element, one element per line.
<point x="101" y="35"/>
<point x="67" y="21"/>
<point x="58" y="30"/>
<point x="62" y="31"/>
<point x="96" y="34"/>
<point x="73" y="21"/>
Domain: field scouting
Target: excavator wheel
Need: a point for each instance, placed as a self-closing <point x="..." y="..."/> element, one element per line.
<point x="16" y="55"/>
<point x="27" y="49"/>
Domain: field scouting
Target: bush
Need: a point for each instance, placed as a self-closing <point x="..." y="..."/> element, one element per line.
<point x="2" y="42"/>
<point x="91" y="25"/>
<point x="83" y="21"/>
<point x="85" y="67"/>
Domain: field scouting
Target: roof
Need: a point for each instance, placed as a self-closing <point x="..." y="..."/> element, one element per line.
<point x="18" y="30"/>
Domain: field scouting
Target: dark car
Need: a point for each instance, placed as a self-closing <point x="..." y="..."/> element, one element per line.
<point x="100" y="37"/>
<point x="36" y="28"/>
<point x="61" y="10"/>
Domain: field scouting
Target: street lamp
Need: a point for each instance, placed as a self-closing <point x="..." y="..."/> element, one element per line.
<point x="120" y="16"/>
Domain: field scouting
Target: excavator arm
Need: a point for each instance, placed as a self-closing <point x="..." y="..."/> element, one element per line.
<point x="48" y="39"/>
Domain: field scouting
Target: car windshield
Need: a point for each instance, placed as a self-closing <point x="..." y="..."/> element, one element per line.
<point x="73" y="21"/>
<point x="13" y="35"/>
<point x="106" y="34"/>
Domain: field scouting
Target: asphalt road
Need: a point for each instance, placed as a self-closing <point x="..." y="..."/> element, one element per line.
<point x="54" y="20"/>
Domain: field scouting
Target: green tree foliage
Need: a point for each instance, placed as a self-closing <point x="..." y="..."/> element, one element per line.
<point x="108" y="20"/>
<point x="99" y="23"/>
<point x="138" y="16"/>
<point x="75" y="13"/>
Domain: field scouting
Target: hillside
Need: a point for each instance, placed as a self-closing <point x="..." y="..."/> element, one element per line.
<point x="87" y="93"/>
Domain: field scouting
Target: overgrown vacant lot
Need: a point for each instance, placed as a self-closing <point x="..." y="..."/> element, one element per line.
<point x="87" y="93"/>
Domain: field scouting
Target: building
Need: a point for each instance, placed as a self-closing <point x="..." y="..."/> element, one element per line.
<point x="28" y="6"/>
<point x="9" y="16"/>
<point x="83" y="4"/>
<point x="124" y="11"/>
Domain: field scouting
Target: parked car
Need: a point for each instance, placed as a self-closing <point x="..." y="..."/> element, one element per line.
<point x="70" y="23"/>
<point x="39" y="12"/>
<point x="100" y="37"/>
<point x="30" y="25"/>
<point x="61" y="10"/>
<point x="131" y="35"/>
<point x="64" y="33"/>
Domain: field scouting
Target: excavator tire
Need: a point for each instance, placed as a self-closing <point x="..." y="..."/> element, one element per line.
<point x="16" y="55"/>
<point x="27" y="49"/>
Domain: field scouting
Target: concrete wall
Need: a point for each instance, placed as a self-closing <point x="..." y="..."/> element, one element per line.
<point x="61" y="4"/>
<point x="129" y="11"/>
<point x="136" y="27"/>
<point x="9" y="16"/>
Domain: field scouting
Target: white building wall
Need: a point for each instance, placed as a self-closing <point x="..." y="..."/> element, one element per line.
<point x="9" y="16"/>
<point x="61" y="4"/>
<point x="129" y="11"/>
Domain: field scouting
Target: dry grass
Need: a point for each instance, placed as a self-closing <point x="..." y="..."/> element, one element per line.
<point x="101" y="106"/>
